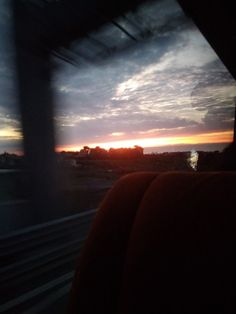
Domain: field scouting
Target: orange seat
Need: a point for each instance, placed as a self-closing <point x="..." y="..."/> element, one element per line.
<point x="161" y="243"/>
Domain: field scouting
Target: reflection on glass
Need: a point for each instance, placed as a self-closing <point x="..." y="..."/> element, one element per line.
<point x="193" y="159"/>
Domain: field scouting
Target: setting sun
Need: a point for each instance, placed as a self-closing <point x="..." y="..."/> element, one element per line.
<point x="203" y="138"/>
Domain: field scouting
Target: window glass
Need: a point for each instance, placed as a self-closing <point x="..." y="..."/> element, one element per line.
<point x="149" y="79"/>
<point x="13" y="195"/>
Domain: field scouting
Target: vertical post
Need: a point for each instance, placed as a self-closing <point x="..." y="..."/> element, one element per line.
<point x="36" y="108"/>
<point x="234" y="139"/>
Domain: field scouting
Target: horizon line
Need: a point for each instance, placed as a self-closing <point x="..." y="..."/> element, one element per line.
<point x="224" y="137"/>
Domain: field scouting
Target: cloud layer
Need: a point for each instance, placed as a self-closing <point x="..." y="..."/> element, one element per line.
<point x="171" y="84"/>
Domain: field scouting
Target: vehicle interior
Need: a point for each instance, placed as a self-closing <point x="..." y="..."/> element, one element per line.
<point x="159" y="242"/>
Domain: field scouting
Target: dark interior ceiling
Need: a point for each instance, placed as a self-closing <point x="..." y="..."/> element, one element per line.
<point x="216" y="20"/>
<point x="57" y="23"/>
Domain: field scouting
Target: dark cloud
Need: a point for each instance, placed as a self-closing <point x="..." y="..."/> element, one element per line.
<point x="7" y="73"/>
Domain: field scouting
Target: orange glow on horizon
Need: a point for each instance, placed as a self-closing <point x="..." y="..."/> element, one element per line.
<point x="202" y="138"/>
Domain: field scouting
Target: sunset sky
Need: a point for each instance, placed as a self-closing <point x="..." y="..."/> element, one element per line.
<point x="167" y="90"/>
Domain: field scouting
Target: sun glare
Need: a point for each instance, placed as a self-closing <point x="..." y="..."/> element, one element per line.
<point x="203" y="138"/>
<point x="10" y="133"/>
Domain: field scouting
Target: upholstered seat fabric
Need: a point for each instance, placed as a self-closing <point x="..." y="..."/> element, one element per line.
<point x="161" y="243"/>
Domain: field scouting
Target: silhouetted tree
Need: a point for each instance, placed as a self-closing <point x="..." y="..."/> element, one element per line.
<point x="98" y="153"/>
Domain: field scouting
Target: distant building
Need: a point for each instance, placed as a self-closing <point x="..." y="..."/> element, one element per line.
<point x="127" y="153"/>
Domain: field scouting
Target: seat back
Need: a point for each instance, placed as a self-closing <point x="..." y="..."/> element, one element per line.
<point x="161" y="244"/>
